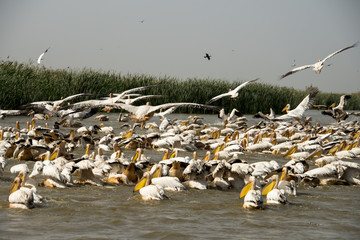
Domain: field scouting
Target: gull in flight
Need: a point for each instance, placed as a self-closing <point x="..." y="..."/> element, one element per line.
<point x="317" y="67"/>
<point x="42" y="55"/>
<point x="232" y="93"/>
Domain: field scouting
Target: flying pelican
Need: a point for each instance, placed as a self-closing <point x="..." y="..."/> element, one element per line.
<point x="232" y="93"/>
<point x="317" y="67"/>
<point x="42" y="55"/>
<point x="145" y="112"/>
<point x="299" y="111"/>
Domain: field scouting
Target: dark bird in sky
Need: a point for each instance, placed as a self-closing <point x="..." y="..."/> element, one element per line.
<point x="207" y="56"/>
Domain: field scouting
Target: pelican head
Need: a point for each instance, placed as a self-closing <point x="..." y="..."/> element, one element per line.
<point x="17" y="183"/>
<point x="286" y="108"/>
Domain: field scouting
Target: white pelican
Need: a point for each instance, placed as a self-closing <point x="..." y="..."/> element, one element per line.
<point x="23" y="197"/>
<point x="145" y="112"/>
<point x="253" y="197"/>
<point x="299" y="111"/>
<point x="232" y="93"/>
<point x="166" y="182"/>
<point x="149" y="191"/>
<point x="317" y="67"/>
<point x="273" y="194"/>
<point x="42" y="55"/>
<point x="338" y="112"/>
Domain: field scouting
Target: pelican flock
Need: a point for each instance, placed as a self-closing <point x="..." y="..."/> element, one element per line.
<point x="196" y="154"/>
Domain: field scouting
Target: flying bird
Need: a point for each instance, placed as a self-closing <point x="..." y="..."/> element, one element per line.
<point x="232" y="93"/>
<point x="317" y="67"/>
<point x="42" y="55"/>
<point x="207" y="56"/>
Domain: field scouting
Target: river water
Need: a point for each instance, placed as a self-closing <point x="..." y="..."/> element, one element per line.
<point x="114" y="212"/>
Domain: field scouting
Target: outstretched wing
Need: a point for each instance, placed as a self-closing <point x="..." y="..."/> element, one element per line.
<point x="244" y="84"/>
<point x="339" y="51"/>
<point x="218" y="97"/>
<point x="61" y="101"/>
<point x="138" y="89"/>
<point x="296" y="70"/>
<point x="193" y="105"/>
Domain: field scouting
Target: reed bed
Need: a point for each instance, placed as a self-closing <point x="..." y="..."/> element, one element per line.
<point x="22" y="83"/>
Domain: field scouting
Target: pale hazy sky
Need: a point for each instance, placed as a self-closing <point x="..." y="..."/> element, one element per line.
<point x="246" y="39"/>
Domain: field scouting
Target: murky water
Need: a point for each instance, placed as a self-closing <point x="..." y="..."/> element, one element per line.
<point x="114" y="212"/>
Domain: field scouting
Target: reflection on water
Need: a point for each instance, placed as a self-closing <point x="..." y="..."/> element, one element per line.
<point x="114" y="212"/>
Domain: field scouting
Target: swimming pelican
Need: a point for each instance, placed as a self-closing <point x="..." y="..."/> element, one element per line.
<point x="232" y="93"/>
<point x="42" y="55"/>
<point x="149" y="191"/>
<point x="253" y="197"/>
<point x="317" y="67"/>
<point x="273" y="194"/>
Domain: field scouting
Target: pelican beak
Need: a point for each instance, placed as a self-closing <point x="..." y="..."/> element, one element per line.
<point x="157" y="173"/>
<point x="270" y="186"/>
<point x="140" y="184"/>
<point x="285" y="108"/>
<point x="136" y="155"/>
<point x="16" y="183"/>
<point x="245" y="189"/>
<point x="290" y="151"/>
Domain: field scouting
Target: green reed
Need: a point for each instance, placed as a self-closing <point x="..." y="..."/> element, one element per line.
<point x="24" y="83"/>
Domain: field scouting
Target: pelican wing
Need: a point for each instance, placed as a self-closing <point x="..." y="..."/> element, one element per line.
<point x="141" y="98"/>
<point x="41" y="55"/>
<point x="138" y="89"/>
<point x="304" y="104"/>
<point x="339" y="51"/>
<point x="40" y="58"/>
<point x="193" y="105"/>
<point x="69" y="98"/>
<point x="244" y="84"/>
<point x="218" y="97"/>
<point x="296" y="70"/>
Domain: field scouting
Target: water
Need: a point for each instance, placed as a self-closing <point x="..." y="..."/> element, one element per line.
<point x="114" y="212"/>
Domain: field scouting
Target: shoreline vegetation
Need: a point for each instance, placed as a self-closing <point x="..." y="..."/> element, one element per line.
<point x="23" y="83"/>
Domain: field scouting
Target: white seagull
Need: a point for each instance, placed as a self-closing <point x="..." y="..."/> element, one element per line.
<point x="42" y="55"/>
<point x="232" y="93"/>
<point x="317" y="67"/>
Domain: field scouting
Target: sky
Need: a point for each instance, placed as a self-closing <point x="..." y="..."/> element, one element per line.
<point x="246" y="39"/>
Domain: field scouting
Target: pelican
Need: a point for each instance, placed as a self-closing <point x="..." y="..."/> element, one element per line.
<point x="165" y="182"/>
<point x="42" y="55"/>
<point x="145" y="112"/>
<point x="232" y="93"/>
<point x="23" y="197"/>
<point x="253" y="197"/>
<point x="149" y="191"/>
<point x="317" y="67"/>
<point x="273" y="194"/>
<point x="299" y="111"/>
<point x="338" y="112"/>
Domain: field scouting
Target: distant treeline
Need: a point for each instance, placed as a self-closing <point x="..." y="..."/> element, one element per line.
<point x="22" y="83"/>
